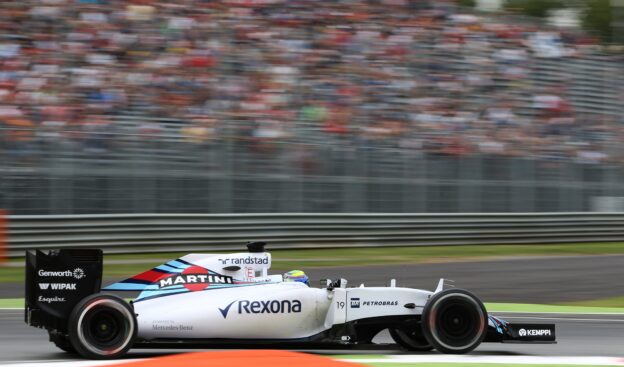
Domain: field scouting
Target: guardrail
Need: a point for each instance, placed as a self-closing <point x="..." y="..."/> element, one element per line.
<point x="143" y="233"/>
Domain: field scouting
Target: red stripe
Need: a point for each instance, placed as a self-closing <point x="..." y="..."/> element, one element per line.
<point x="150" y="276"/>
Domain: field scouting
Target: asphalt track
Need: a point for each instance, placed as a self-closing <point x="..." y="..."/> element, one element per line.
<point x="525" y="280"/>
<point x="518" y="280"/>
<point x="578" y="335"/>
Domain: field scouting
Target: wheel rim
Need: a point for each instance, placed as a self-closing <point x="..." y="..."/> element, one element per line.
<point x="457" y="322"/>
<point x="105" y="327"/>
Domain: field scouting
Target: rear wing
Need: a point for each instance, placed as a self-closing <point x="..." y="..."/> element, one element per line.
<point x="56" y="280"/>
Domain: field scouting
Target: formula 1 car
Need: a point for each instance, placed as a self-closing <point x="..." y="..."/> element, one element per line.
<point x="202" y="300"/>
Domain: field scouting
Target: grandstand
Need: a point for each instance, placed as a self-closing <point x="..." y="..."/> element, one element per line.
<point x="268" y="106"/>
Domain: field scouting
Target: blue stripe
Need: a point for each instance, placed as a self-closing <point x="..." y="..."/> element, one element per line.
<point x="125" y="287"/>
<point x="184" y="262"/>
<point x="177" y="264"/>
<point x="168" y="269"/>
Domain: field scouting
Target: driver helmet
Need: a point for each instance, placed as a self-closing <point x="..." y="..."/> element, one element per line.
<point x="296" y="276"/>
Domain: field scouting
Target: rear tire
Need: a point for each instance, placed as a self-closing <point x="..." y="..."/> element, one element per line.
<point x="454" y="321"/>
<point x="412" y="340"/>
<point x="102" y="326"/>
<point x="62" y="342"/>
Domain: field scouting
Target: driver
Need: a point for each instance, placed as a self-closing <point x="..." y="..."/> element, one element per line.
<point x="297" y="276"/>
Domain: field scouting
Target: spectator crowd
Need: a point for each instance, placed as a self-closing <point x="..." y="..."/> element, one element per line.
<point x="406" y="74"/>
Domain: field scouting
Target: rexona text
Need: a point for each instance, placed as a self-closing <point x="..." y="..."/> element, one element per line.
<point x="284" y="306"/>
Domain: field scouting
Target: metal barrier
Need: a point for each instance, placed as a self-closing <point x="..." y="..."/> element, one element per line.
<point x="145" y="233"/>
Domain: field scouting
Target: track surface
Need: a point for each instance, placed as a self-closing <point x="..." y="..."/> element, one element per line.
<point x="520" y="280"/>
<point x="526" y="280"/>
<point x="578" y="335"/>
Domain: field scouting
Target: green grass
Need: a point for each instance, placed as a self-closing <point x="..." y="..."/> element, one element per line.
<point x="491" y="307"/>
<point x="605" y="302"/>
<point x="395" y="363"/>
<point x="596" y="307"/>
<point x="291" y="259"/>
<point x="12" y="303"/>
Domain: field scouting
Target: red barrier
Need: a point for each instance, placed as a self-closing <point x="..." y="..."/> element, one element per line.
<point x="241" y="358"/>
<point x="3" y="236"/>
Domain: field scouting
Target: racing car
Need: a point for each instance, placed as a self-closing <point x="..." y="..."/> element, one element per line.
<point x="217" y="300"/>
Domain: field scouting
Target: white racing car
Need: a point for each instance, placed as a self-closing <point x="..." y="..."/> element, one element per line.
<point x="203" y="300"/>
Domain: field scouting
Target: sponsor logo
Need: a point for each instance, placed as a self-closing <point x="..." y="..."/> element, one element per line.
<point x="77" y="273"/>
<point x="51" y="299"/>
<point x="58" y="286"/>
<point x="534" y="332"/>
<point x="259" y="307"/>
<point x="380" y="303"/>
<point x="249" y="260"/>
<point x="66" y="273"/>
<point x="356" y="303"/>
<point x="172" y="327"/>
<point x="195" y="278"/>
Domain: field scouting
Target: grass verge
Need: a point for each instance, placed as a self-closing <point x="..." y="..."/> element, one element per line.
<point x="529" y="308"/>
<point x="116" y="266"/>
<point x="12" y="303"/>
<point x="491" y="307"/>
<point x="605" y="302"/>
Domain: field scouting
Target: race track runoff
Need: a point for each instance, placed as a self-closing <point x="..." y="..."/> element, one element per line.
<point x="521" y="280"/>
<point x="542" y="280"/>
<point x="577" y="335"/>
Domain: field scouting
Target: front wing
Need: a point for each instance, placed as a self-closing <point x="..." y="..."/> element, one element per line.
<point x="501" y="331"/>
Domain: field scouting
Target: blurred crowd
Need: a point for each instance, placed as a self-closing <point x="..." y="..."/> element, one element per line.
<point x="408" y="74"/>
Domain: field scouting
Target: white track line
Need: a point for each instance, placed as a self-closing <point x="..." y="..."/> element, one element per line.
<point x="563" y="319"/>
<point x="557" y="313"/>
<point x="528" y="360"/>
<point x="64" y="363"/>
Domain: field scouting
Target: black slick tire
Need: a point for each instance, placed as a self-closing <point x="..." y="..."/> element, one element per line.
<point x="62" y="342"/>
<point x="454" y="321"/>
<point x="412" y="340"/>
<point x="102" y="326"/>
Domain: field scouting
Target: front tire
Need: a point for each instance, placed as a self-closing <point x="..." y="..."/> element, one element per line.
<point x="454" y="321"/>
<point x="412" y="340"/>
<point x="102" y="326"/>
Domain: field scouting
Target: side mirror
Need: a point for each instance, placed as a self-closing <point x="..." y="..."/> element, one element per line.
<point x="331" y="284"/>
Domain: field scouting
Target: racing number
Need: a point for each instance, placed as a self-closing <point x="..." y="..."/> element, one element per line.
<point x="340" y="305"/>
